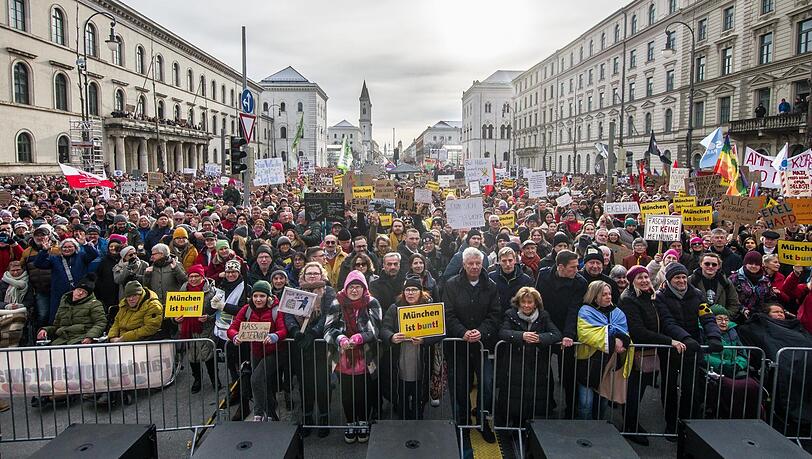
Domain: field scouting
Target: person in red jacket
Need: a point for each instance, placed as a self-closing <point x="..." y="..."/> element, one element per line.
<point x="800" y="291"/>
<point x="772" y="270"/>
<point x="9" y="251"/>
<point x="261" y="308"/>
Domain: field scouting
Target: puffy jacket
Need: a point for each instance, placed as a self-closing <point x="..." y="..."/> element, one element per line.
<point x="154" y="236"/>
<point x="139" y="323"/>
<point x="77" y="321"/>
<point x="187" y="257"/>
<point x="682" y="318"/>
<point x="562" y="298"/>
<point x="259" y="348"/>
<point x="752" y="296"/>
<point x="77" y="263"/>
<point x="38" y="278"/>
<point x="645" y="326"/>
<point x="509" y="284"/>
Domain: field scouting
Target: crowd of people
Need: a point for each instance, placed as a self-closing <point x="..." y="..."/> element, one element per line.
<point x="571" y="288"/>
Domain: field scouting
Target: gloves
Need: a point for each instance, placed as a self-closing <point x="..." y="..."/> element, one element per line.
<point x="217" y="302"/>
<point x="341" y="340"/>
<point x="307" y="341"/>
<point x="273" y="338"/>
<point x="715" y="345"/>
<point x="356" y="339"/>
<point x="691" y="345"/>
<point x="298" y="337"/>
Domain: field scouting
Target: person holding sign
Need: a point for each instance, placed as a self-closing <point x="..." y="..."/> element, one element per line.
<point x="199" y="327"/>
<point x="263" y="352"/>
<point x="411" y="356"/>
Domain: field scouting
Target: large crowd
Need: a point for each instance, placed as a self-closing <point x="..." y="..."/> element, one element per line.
<point x="571" y="282"/>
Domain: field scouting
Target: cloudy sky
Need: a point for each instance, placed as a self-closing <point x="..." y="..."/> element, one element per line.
<point x="417" y="56"/>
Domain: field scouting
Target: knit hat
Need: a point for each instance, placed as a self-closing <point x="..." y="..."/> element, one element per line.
<point x="209" y="235"/>
<point x="752" y="258"/>
<point x="262" y="286"/>
<point x="503" y="237"/>
<point x="221" y="244"/>
<point x="264" y="248"/>
<point x="593" y="253"/>
<point x="719" y="310"/>
<point x="80" y="227"/>
<point x="233" y="265"/>
<point x="133" y="288"/>
<point x="93" y="229"/>
<point x="472" y="233"/>
<point x="122" y="239"/>
<point x="560" y="238"/>
<point x="634" y="271"/>
<point x="355" y="277"/>
<point x="630" y="222"/>
<point x="5" y="238"/>
<point x="673" y="269"/>
<point x="282" y="240"/>
<point x="162" y="248"/>
<point x="278" y="226"/>
<point x="120" y="218"/>
<point x="43" y="230"/>
<point x="412" y="280"/>
<point x="696" y="240"/>
<point x="671" y="252"/>
<point x="179" y="233"/>
<point x="344" y="235"/>
<point x="197" y="269"/>
<point x="126" y="251"/>
<point x="87" y="283"/>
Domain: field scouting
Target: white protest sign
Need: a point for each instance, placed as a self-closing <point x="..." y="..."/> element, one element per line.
<point x="445" y="180"/>
<point x="663" y="227"/>
<point x="764" y="164"/>
<point x="211" y="169"/>
<point x="297" y="302"/>
<point x="797" y="179"/>
<point x="500" y="173"/>
<point x="269" y="171"/>
<point x="621" y="208"/>
<point x="564" y="200"/>
<point x="479" y="169"/>
<point x="126" y="188"/>
<point x="190" y="171"/>
<point x="474" y="188"/>
<point x="422" y="195"/>
<point x="224" y="179"/>
<point x="536" y="184"/>
<point x="677" y="178"/>
<point x="526" y="171"/>
<point x="465" y="213"/>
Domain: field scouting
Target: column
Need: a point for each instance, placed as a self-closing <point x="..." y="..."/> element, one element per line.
<point x="163" y="164"/>
<point x="143" y="160"/>
<point x="120" y="158"/>
<point x="179" y="156"/>
<point x="109" y="153"/>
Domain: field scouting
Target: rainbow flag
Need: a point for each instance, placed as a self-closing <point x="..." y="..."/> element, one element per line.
<point x="727" y="166"/>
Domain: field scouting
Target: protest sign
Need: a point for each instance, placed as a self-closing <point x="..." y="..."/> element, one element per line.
<point x="480" y="170"/>
<point x="526" y="171"/>
<point x="621" y="208"/>
<point x="683" y="202"/>
<point x="211" y="169"/>
<point x="362" y="192"/>
<point x="740" y="209"/>
<point x="537" y="184"/>
<point x="385" y="189"/>
<point x="663" y="227"/>
<point x="6" y="196"/>
<point x="445" y="180"/>
<point x="465" y="213"/>
<point x="778" y="216"/>
<point x="422" y="195"/>
<point x="802" y="208"/>
<point x="386" y="220"/>
<point x="381" y="205"/>
<point x="654" y="208"/>
<point x="676" y="180"/>
<point x="797" y="179"/>
<point x="338" y="180"/>
<point x="270" y="171"/>
<point x="324" y="206"/>
<point x="500" y="173"/>
<point x="127" y="188"/>
<point x="422" y="320"/>
<point x="474" y="188"/>
<point x="564" y="200"/>
<point x="405" y="201"/>
<point x="697" y="217"/>
<point x="433" y="186"/>
<point x="224" y="180"/>
<point x="155" y="179"/>
<point x="795" y="253"/>
<point x="251" y="332"/>
<point x="706" y="186"/>
<point x="190" y="171"/>
<point x="508" y="220"/>
<point x="184" y="304"/>
<point x="508" y="183"/>
<point x="297" y="302"/>
<point x="457" y="183"/>
<point x="764" y="165"/>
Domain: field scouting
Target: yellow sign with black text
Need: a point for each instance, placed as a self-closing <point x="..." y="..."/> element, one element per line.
<point x="184" y="304"/>
<point x="386" y="220"/>
<point x="795" y="253"/>
<point x="508" y="220"/>
<point x="422" y="320"/>
<point x="433" y="186"/>
<point x="363" y="192"/>
<point x="683" y="202"/>
<point x="697" y="217"/>
<point x="654" y="208"/>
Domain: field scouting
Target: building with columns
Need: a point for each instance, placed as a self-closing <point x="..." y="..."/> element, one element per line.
<point x="157" y="102"/>
<point x="486" y="117"/>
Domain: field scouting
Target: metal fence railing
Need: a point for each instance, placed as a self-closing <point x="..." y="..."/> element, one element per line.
<point x="791" y="408"/>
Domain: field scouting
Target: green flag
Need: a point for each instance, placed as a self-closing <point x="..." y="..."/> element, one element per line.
<point x="299" y="133"/>
<point x="345" y="160"/>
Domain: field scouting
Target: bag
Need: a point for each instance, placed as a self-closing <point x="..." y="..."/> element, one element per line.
<point x="613" y="384"/>
<point x="646" y="361"/>
<point x="439" y="373"/>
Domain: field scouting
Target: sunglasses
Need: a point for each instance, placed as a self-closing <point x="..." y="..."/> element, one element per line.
<point x="710" y="264"/>
<point x="329" y="243"/>
<point x="360" y="265"/>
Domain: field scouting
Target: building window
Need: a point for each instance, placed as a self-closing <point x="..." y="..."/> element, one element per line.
<point x="699" y="114"/>
<point x="162" y="110"/>
<point x="652" y="14"/>
<point x="615" y="65"/>
<point x="91" y="41"/>
<point x="283" y="132"/>
<point x="671" y="40"/>
<point x="58" y="26"/>
<point x="700" y="68"/>
<point x="191" y="117"/>
<point x="93" y="99"/>
<point x="202" y="85"/>
<point x="767" y="6"/>
<point x="140" y="107"/>
<point x="299" y="107"/>
<point x="632" y="58"/>
<point x="763" y="98"/>
<point x="602" y="72"/>
<point x="702" y="29"/>
<point x="669" y="80"/>
<point x="650" y="51"/>
<point x="190" y="82"/>
<point x="589" y="103"/>
<point x="61" y="92"/>
<point x="589" y="77"/>
<point x="630" y="125"/>
<point x="672" y="6"/>
<point x="223" y="94"/>
<point x="727" y="18"/>
<point x="119" y="101"/>
<point x="603" y="41"/>
<point x="139" y="60"/>
<point x="804" y="36"/>
<point x="282" y="107"/>
<point x="631" y="91"/>
<point x="765" y="48"/>
<point x="591" y="47"/>
<point x="727" y="61"/>
<point x="648" y="123"/>
<point x="17" y="14"/>
<point x="159" y="67"/>
<point x="118" y="52"/>
<point x="176" y="112"/>
<point x="24" y="148"/>
<point x="649" y="86"/>
<point x="669" y="120"/>
<point x="214" y="126"/>
<point x="21" y="84"/>
<point x="63" y="149"/>
<point x="600" y="130"/>
<point x="634" y="24"/>
<point x="175" y="74"/>
<point x="724" y="109"/>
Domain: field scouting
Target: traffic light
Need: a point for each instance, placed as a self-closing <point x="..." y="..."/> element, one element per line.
<point x="237" y="154"/>
<point x="629" y="159"/>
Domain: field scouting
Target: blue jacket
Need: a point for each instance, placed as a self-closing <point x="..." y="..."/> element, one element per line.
<point x="101" y="247"/>
<point x="78" y="265"/>
<point x="510" y="284"/>
<point x="154" y="236"/>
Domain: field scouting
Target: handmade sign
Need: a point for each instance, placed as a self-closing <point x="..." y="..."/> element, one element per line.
<point x="445" y="180"/>
<point x="778" y="216"/>
<point x="297" y="302"/>
<point x="654" y="208"/>
<point x="676" y="179"/>
<point x="422" y="321"/>
<point x="422" y="195"/>
<point x="270" y="171"/>
<point x="764" y="165"/>
<point x="697" y="217"/>
<point x="338" y="180"/>
<point x="621" y="208"/>
<point x="683" y="202"/>
<point x="386" y="220"/>
<point x="363" y="192"/>
<point x="6" y="196"/>
<point x="795" y="253"/>
<point x="381" y="205"/>
<point x="465" y="213"/>
<point x="706" y="186"/>
<point x="480" y="170"/>
<point x="405" y="201"/>
<point x="155" y="179"/>
<point x="508" y="220"/>
<point x="508" y="183"/>
<point x="802" y="208"/>
<point x="740" y="209"/>
<point x="127" y="188"/>
<point x="663" y="227"/>
<point x="183" y="304"/>
<point x="324" y="206"/>
<point x="798" y="179"/>
<point x="474" y="188"/>
<point x="251" y="332"/>
<point x="385" y="189"/>
<point x="211" y="169"/>
<point x="564" y="200"/>
<point x="433" y="186"/>
<point x="536" y="184"/>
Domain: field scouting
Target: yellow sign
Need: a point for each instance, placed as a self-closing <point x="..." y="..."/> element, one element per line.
<point x="433" y="186"/>
<point x="363" y="192"/>
<point x="654" y="208"/>
<point x="795" y="253"/>
<point x="338" y="179"/>
<point x="386" y="220"/>
<point x="508" y="220"/>
<point x="184" y="304"/>
<point x="697" y="217"/>
<point x="422" y="320"/>
<point x="508" y="183"/>
<point x="683" y="202"/>
<point x="681" y="194"/>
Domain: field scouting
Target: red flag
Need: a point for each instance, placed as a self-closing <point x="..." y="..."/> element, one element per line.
<point x="675" y="164"/>
<point x="488" y="189"/>
<point x="564" y="180"/>
<point x="80" y="179"/>
<point x="642" y="171"/>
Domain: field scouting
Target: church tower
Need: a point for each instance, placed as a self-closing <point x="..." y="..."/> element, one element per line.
<point x="365" y="121"/>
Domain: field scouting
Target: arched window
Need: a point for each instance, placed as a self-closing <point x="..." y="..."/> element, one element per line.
<point x="578" y="164"/>
<point x="214" y="127"/>
<point x="299" y="107"/>
<point x="93" y="99"/>
<point x="161" y="110"/>
<point x="587" y="170"/>
<point x="652" y="14"/>
<point x="63" y="149"/>
<point x="283" y="132"/>
<point x="190" y="82"/>
<point x="24" y="148"/>
<point x="490" y="131"/>
<point x="139" y="60"/>
<point x="617" y="33"/>
<point x="119" y="101"/>
<point x="203" y="85"/>
<point x="648" y="123"/>
<point x="484" y="131"/>
<point x="17" y="14"/>
<point x="506" y="156"/>
<point x="22" y="86"/>
<point x="281" y="107"/>
<point x="58" y="26"/>
<point x="159" y="67"/>
<point x="190" y="119"/>
<point x="508" y="131"/>
<point x="631" y="126"/>
<point x="559" y="163"/>
<point x="118" y="51"/>
<point x="141" y="107"/>
<point x="223" y="93"/>
<point x="569" y="163"/>
<point x="91" y="41"/>
<point x="669" y="120"/>
<point x="265" y="107"/>
<point x="213" y="90"/>
<point x="60" y="92"/>
<point x="175" y="74"/>
<point x="203" y="121"/>
<point x="634" y="24"/>
<point x="176" y="112"/>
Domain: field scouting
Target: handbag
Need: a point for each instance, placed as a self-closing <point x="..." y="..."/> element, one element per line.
<point x="646" y="360"/>
<point x="613" y="384"/>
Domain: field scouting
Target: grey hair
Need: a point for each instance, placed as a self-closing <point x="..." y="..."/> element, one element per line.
<point x="392" y="254"/>
<point x="472" y="252"/>
<point x="617" y="272"/>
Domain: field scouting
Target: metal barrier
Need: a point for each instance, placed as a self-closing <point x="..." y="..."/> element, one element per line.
<point x="48" y="388"/>
<point x="791" y="407"/>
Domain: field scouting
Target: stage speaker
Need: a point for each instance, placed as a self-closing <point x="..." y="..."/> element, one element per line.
<point x="734" y="439"/>
<point x="122" y="441"/>
<point x="552" y="439"/>
<point x="411" y="439"/>
<point x="248" y="440"/>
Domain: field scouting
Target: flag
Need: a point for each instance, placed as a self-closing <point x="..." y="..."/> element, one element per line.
<point x="345" y="160"/>
<point x="601" y="147"/>
<point x="713" y="144"/>
<point x="755" y="190"/>
<point x="80" y="179"/>
<point x="675" y="164"/>
<point x="641" y="169"/>
<point x="654" y="149"/>
<point x="780" y="161"/>
<point x="299" y="133"/>
<point x="726" y="164"/>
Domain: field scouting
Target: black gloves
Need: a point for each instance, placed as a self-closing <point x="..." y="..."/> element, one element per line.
<point x="298" y="337"/>
<point x="715" y="345"/>
<point x="691" y="345"/>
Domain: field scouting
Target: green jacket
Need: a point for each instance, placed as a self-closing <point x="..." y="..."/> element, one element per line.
<point x="729" y="362"/>
<point x="139" y="323"/>
<point x="77" y="321"/>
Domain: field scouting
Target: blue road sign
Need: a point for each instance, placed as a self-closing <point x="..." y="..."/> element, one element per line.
<point x="247" y="101"/>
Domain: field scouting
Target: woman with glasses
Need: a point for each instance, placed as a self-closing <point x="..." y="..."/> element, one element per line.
<point x="418" y="268"/>
<point x="364" y="265"/>
<point x="199" y="327"/>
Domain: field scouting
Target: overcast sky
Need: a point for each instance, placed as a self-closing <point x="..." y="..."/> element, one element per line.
<point x="417" y="56"/>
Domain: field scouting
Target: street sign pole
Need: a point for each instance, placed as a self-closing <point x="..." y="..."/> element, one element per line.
<point x="246" y="173"/>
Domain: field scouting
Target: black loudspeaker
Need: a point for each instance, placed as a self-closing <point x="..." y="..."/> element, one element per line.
<point x="580" y="439"/>
<point x="733" y="438"/>
<point x="244" y="440"/>
<point x="80" y="441"/>
<point x="413" y="439"/>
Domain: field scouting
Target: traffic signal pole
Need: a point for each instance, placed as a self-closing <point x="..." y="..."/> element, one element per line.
<point x="245" y="174"/>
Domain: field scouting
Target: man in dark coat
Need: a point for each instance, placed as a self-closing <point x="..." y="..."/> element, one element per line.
<point x="359" y="245"/>
<point x="389" y="283"/>
<point x="508" y="277"/>
<point x="731" y="261"/>
<point x="593" y="271"/>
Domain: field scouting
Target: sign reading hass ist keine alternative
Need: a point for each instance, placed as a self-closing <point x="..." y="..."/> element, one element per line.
<point x="184" y="304"/>
<point x="422" y="320"/>
<point x="795" y="253"/>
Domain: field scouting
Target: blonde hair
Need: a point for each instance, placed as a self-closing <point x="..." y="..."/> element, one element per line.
<point x="594" y="290"/>
<point x="313" y="264"/>
<point x="527" y="291"/>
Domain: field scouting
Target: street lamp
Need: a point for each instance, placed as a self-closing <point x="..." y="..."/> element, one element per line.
<point x="669" y="52"/>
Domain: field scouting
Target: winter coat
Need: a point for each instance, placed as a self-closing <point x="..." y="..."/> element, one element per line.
<point x="107" y="290"/>
<point x="78" y="264"/>
<point x="139" y="323"/>
<point x="334" y="269"/>
<point x="132" y="271"/>
<point x="731" y="261"/>
<point x="248" y="313"/>
<point x="154" y="236"/>
<point x="508" y="285"/>
<point x="726" y="294"/>
<point x="469" y="307"/>
<point x="562" y="298"/>
<point x="255" y="274"/>
<point x="752" y="297"/>
<point x="77" y="321"/>
<point x="367" y="324"/>
<point x="603" y="277"/>
<point x="386" y="289"/>
<point x="800" y="291"/>
<point x="729" y="362"/>
<point x="681" y="318"/>
<point x="186" y="256"/>
<point x="455" y="264"/>
<point x="645" y="326"/>
<point x="198" y="351"/>
<point x="163" y="278"/>
<point x="634" y="259"/>
<point x="38" y="278"/>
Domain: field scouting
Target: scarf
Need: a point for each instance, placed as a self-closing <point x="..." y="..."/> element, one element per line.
<point x="352" y="309"/>
<point x="17" y="287"/>
<point x="753" y="278"/>
<point x="529" y="319"/>
<point x="595" y="327"/>
<point x="679" y="293"/>
<point x="316" y="287"/>
<point x="531" y="262"/>
<point x="190" y="325"/>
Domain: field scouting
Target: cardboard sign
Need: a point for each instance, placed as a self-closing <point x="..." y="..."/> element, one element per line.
<point x="654" y="208"/>
<point x="297" y="302"/>
<point x="386" y="220"/>
<point x="802" y="208"/>
<point x="474" y="188"/>
<point x="564" y="200"/>
<point x="465" y="213"/>
<point x="433" y="186"/>
<point x="458" y="184"/>
<point x="422" y="321"/>
<point x="663" y="227"/>
<point x="155" y="179"/>
<point x="621" y="208"/>
<point x="127" y="188"/>
<point x="445" y="180"/>
<point x="740" y="209"/>
<point x="778" y="216"/>
<point x="676" y="180"/>
<point x="706" y="186"/>
<point x="797" y="184"/>
<point x="183" y="304"/>
<point x="405" y="201"/>
<point x="251" y="332"/>
<point x="508" y="220"/>
<point x="324" y="206"/>
<point x="422" y="195"/>
<point x="385" y="189"/>
<point x="381" y="205"/>
<point x="683" y="202"/>
<point x="795" y="253"/>
<point x="697" y="217"/>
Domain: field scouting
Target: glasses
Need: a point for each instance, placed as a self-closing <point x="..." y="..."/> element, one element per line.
<point x="355" y="287"/>
<point x="312" y="274"/>
<point x="710" y="265"/>
<point x="360" y="265"/>
<point x="411" y="290"/>
<point x="329" y="242"/>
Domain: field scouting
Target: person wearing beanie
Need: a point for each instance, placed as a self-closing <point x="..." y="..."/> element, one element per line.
<point x="67" y="267"/>
<point x="629" y="233"/>
<point x="264" y="357"/>
<point x="284" y="252"/>
<point x="216" y="269"/>
<point x="131" y="234"/>
<point x="80" y="317"/>
<point x="561" y="241"/>
<point x="656" y="267"/>
<point x="161" y="229"/>
<point x="181" y="248"/>
<point x="128" y="268"/>
<point x="593" y="270"/>
<point x="165" y="274"/>
<point x="638" y="255"/>
<point x="279" y="280"/>
<point x="262" y="267"/>
<point x="199" y="327"/>
<point x="753" y="288"/>
<point x="683" y="310"/>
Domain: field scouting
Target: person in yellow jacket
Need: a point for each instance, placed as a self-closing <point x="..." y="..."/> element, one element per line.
<point x="182" y="249"/>
<point x="139" y="315"/>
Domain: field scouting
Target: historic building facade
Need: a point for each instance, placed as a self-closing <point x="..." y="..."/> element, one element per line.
<point x="487" y="115"/>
